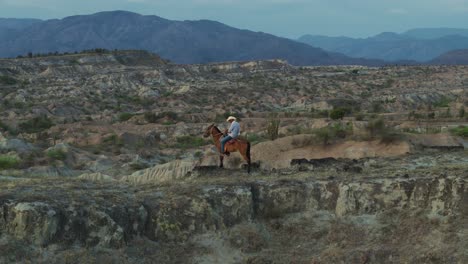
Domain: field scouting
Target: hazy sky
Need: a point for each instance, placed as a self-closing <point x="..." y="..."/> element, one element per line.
<point x="288" y="18"/>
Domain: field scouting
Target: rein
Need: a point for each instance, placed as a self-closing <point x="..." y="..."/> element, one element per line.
<point x="220" y="133"/>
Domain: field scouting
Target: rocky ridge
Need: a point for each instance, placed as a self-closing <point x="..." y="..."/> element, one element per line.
<point x="55" y="214"/>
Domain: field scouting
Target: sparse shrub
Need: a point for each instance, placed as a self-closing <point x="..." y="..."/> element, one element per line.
<point x="167" y="115"/>
<point x="167" y="93"/>
<point x="8" y="162"/>
<point x="136" y="166"/>
<point x="3" y="126"/>
<point x="390" y="136"/>
<point x="461" y="131"/>
<point x="113" y="140"/>
<point x="447" y="114"/>
<point x="273" y="129"/>
<point x="376" y="127"/>
<point x="431" y="115"/>
<point x="150" y="117"/>
<point x="154" y="118"/>
<point x="326" y="134"/>
<point x="254" y="138"/>
<point x="319" y="113"/>
<point x="56" y="154"/>
<point x="360" y="117"/>
<point x="125" y="116"/>
<point x="377" y="107"/>
<point x="302" y="142"/>
<point x="337" y="113"/>
<point x="190" y="142"/>
<point x="443" y="102"/>
<point x="296" y="130"/>
<point x="323" y="135"/>
<point x="461" y="112"/>
<point x="5" y="79"/>
<point x="36" y="125"/>
<point x="198" y="154"/>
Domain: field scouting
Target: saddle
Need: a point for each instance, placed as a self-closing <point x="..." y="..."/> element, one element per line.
<point x="232" y="141"/>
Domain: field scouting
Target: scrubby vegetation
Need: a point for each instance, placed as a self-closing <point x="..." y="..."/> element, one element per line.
<point x="36" y="124"/>
<point x="273" y="129"/>
<point x="56" y="154"/>
<point x="337" y="113"/>
<point x="8" y="162"/>
<point x="8" y="80"/>
<point x="377" y="129"/>
<point x="125" y="116"/>
<point x="333" y="132"/>
<point x="186" y="142"/>
<point x="443" y="102"/>
<point x="461" y="131"/>
<point x="168" y="116"/>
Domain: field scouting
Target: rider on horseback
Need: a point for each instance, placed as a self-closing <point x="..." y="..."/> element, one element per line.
<point x="232" y="133"/>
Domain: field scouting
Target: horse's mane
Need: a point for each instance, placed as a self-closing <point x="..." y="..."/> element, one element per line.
<point x="217" y="129"/>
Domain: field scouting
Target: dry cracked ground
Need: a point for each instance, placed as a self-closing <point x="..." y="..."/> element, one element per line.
<point x="102" y="160"/>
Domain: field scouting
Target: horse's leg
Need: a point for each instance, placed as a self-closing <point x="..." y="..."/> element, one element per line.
<point x="245" y="152"/>
<point x="221" y="158"/>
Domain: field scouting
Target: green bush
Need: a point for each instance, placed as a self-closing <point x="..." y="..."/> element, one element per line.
<point x="190" y="142"/>
<point x="125" y="116"/>
<point x="35" y="125"/>
<point x="3" y="126"/>
<point x="4" y="79"/>
<point x="461" y="131"/>
<point x="443" y="102"/>
<point x="376" y="127"/>
<point x="461" y="112"/>
<point x="113" y="140"/>
<point x="254" y="138"/>
<point x="198" y="154"/>
<point x="273" y="128"/>
<point x="320" y="113"/>
<point x="151" y="117"/>
<point x="338" y="131"/>
<point x="56" y="154"/>
<point x="8" y="162"/>
<point x="360" y="117"/>
<point x="377" y="107"/>
<point x="337" y="113"/>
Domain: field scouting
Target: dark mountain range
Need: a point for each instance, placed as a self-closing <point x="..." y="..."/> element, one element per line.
<point x="179" y="41"/>
<point x="456" y="57"/>
<point x="434" y="33"/>
<point x="419" y="45"/>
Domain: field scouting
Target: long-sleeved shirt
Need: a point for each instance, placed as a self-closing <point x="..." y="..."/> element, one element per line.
<point x="234" y="130"/>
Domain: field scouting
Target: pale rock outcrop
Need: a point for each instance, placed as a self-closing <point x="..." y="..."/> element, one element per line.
<point x="98" y="177"/>
<point x="14" y="145"/>
<point x="168" y="172"/>
<point x="35" y="222"/>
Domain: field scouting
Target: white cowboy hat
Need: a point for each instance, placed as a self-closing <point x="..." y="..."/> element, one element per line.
<point x="231" y="118"/>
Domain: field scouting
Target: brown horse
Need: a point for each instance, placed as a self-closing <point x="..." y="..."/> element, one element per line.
<point x="241" y="145"/>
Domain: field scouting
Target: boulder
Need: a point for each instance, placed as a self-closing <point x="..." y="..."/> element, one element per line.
<point x="16" y="145"/>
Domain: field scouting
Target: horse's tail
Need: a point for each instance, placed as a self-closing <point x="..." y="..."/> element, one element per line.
<point x="248" y="156"/>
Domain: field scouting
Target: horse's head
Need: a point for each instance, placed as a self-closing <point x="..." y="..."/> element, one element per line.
<point x="208" y="131"/>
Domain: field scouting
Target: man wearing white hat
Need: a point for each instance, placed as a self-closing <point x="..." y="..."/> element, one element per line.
<point x="232" y="133"/>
